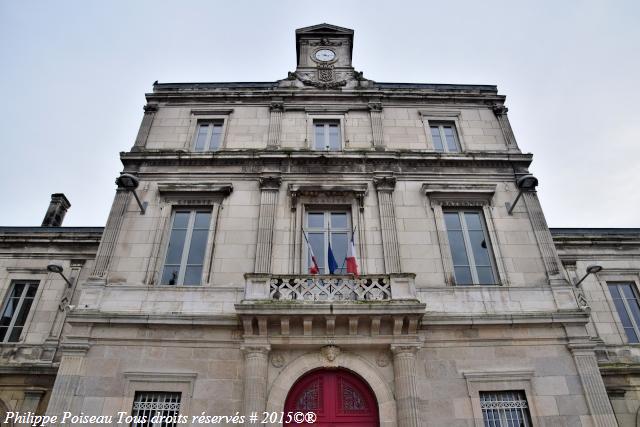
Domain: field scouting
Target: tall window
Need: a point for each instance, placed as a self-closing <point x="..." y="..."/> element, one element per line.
<point x="445" y="138"/>
<point x="209" y="135"/>
<point x="470" y="248"/>
<point x="505" y="409"/>
<point x="327" y="135"/>
<point x="16" y="309"/>
<point x="323" y="227"/>
<point x="187" y="247"/>
<point x="159" y="409"/>
<point x="625" y="298"/>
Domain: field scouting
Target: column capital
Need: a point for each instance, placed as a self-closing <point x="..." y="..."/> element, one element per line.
<point x="384" y="182"/>
<point x="249" y="349"/>
<point x="270" y="182"/>
<point x="499" y="110"/>
<point x="405" y="349"/>
<point x="150" y="108"/>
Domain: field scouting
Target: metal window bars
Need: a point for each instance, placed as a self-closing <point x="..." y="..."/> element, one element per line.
<point x="155" y="409"/>
<point x="505" y="409"/>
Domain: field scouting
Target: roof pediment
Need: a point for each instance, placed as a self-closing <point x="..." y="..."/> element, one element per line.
<point x="324" y="29"/>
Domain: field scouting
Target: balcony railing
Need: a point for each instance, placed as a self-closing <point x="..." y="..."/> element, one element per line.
<point x="330" y="288"/>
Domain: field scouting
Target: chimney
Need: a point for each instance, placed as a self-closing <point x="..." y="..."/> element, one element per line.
<point x="57" y="209"/>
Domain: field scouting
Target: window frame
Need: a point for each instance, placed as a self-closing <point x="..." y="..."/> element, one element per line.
<point x="440" y="117"/>
<point x="142" y="412"/>
<point x="211" y="123"/>
<point x="443" y="139"/>
<point x="327" y="233"/>
<point x="310" y="139"/>
<point x="199" y="116"/>
<point x="635" y="324"/>
<point x="187" y="244"/>
<point x="460" y="211"/>
<point x="502" y="410"/>
<point x="14" y="317"/>
<point x="496" y="381"/>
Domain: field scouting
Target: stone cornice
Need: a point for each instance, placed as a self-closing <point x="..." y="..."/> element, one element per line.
<point x="87" y="317"/>
<point x="359" y="159"/>
<point x="540" y="318"/>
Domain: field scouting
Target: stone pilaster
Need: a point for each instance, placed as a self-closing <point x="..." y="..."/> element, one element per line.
<point x="64" y="394"/>
<point x="143" y="133"/>
<point x="375" y="110"/>
<point x="501" y="114"/>
<point x="593" y="386"/>
<point x="269" y="188"/>
<point x="30" y="403"/>
<point x="275" y="124"/>
<point x="385" y="186"/>
<point x="110" y="234"/>
<point x="543" y="236"/>
<point x="404" y="371"/>
<point x="256" y="359"/>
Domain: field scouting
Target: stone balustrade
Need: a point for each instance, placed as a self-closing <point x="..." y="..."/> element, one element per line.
<point x="330" y="288"/>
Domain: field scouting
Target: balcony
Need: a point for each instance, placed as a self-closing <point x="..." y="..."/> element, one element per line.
<point x="330" y="288"/>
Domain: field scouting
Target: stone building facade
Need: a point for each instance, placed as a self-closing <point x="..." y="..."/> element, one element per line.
<point x="200" y="296"/>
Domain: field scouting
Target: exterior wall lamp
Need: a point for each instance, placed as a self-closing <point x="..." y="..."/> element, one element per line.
<point x="591" y="269"/>
<point x="526" y="184"/>
<point x="130" y="183"/>
<point x="57" y="268"/>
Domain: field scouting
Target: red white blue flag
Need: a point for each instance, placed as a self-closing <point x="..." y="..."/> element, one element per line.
<point x="352" y="260"/>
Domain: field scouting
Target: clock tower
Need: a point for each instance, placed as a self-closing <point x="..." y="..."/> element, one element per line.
<point x="323" y="54"/>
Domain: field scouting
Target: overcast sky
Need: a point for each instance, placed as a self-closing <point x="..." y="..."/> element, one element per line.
<point x="73" y="75"/>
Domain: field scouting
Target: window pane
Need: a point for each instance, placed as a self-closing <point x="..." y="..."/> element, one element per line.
<point x="631" y="335"/>
<point x="334" y="137"/>
<point x="315" y="220"/>
<point x="24" y="312"/>
<point x="198" y="246"/>
<point x="339" y="248"/>
<point x="202" y="220"/>
<point x="622" y="312"/>
<point x="463" y="276"/>
<point x="3" y="332"/>
<point x="319" y="137"/>
<point x="339" y="220"/>
<point x="479" y="246"/>
<point x="316" y="240"/>
<point x="614" y="291"/>
<point x="626" y="290"/>
<point x="452" y="221"/>
<point x="31" y="292"/>
<point x="485" y="275"/>
<point x="170" y="275"/>
<point x="201" y="139"/>
<point x="176" y="245"/>
<point x="216" y="137"/>
<point x="15" y="334"/>
<point x="193" y="275"/>
<point x="181" y="220"/>
<point x="635" y="310"/>
<point x="435" y="135"/>
<point x="473" y="220"/>
<point x="458" y="250"/>
<point x="449" y="134"/>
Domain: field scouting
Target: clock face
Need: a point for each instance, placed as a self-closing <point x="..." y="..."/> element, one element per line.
<point x="325" y="55"/>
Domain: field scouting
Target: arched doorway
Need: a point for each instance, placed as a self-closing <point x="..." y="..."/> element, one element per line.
<point x="338" y="397"/>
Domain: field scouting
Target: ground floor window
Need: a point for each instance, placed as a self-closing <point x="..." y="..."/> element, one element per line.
<point x="161" y="405"/>
<point x="505" y="409"/>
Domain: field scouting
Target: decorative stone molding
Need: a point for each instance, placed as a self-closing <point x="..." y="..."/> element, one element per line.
<point x="269" y="186"/>
<point x="459" y="194"/>
<point x="385" y="184"/>
<point x="358" y="190"/>
<point x="111" y="232"/>
<point x="276" y="109"/>
<point x="375" y="111"/>
<point x="330" y="352"/>
<point x="439" y="116"/>
<point x="505" y="126"/>
<point x="150" y="111"/>
<point x="278" y="360"/>
<point x="211" y="112"/>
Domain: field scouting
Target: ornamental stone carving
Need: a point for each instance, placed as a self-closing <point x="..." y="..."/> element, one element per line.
<point x="278" y="360"/>
<point x="330" y="352"/>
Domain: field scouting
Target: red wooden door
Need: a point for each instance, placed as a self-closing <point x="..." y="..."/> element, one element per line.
<point x="338" y="398"/>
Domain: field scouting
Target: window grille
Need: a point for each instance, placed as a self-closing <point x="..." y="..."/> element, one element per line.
<point x="505" y="409"/>
<point x="150" y="404"/>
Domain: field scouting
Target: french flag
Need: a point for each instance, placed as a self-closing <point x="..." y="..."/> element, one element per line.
<point x="352" y="261"/>
<point x="313" y="269"/>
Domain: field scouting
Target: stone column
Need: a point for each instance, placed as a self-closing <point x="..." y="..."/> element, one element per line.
<point x="404" y="371"/>
<point x="375" y="110"/>
<point x="385" y="186"/>
<point x="63" y="396"/>
<point x="255" y="379"/>
<point x="143" y="133"/>
<point x="269" y="188"/>
<point x="593" y="386"/>
<point x="501" y="113"/>
<point x="275" y="124"/>
<point x="110" y="234"/>
<point x="30" y="403"/>
<point x="543" y="236"/>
